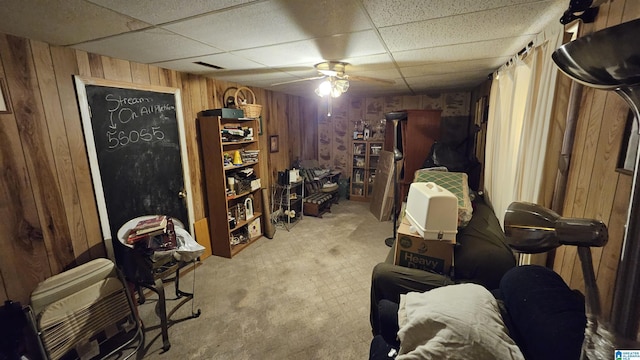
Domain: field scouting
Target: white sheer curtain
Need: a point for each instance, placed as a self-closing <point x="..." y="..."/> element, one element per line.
<point x="520" y="105"/>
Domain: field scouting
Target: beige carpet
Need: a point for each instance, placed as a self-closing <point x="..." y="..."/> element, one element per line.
<point x="302" y="295"/>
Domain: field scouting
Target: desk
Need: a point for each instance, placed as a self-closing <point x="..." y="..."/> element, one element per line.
<point x="152" y="270"/>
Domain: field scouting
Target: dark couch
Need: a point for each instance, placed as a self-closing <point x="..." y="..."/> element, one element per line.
<point x="544" y="317"/>
<point x="481" y="256"/>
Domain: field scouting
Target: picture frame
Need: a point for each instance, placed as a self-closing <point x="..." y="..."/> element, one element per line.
<point x="5" y="103"/>
<point x="274" y="143"/>
<point x="260" y="125"/>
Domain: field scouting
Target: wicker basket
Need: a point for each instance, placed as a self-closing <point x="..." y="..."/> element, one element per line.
<point x="250" y="110"/>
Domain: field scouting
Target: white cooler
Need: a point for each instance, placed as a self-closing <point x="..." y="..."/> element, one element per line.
<point x="432" y="211"/>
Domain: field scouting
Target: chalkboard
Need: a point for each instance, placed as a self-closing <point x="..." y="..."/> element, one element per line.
<point x="135" y="144"/>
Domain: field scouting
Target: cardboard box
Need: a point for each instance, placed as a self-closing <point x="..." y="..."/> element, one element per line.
<point x="413" y="251"/>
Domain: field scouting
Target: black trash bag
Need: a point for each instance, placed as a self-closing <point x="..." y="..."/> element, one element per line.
<point x="443" y="154"/>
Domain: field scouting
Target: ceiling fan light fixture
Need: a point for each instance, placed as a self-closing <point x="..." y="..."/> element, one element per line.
<point x="324" y="88"/>
<point x="342" y="85"/>
<point x="333" y="87"/>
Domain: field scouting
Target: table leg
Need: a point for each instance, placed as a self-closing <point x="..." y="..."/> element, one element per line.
<point x="163" y="314"/>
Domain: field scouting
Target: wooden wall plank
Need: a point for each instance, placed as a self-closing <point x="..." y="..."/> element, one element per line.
<point x="116" y="69"/>
<point x="43" y="64"/>
<point x="610" y="259"/>
<point x="573" y="198"/>
<point x="20" y="238"/>
<point x="95" y="62"/>
<point x="154" y="75"/>
<point x="32" y="126"/>
<point x="140" y="73"/>
<point x="631" y="10"/>
<point x="83" y="63"/>
<point x="194" y="84"/>
<point x="601" y="193"/>
<point x="65" y="67"/>
<point x="309" y="121"/>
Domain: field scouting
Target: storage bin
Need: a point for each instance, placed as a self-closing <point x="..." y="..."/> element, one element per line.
<point x="432" y="211"/>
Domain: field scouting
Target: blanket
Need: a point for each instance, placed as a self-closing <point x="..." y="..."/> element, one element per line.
<point x="453" y="322"/>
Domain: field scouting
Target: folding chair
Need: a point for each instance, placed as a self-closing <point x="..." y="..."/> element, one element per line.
<point x="86" y="313"/>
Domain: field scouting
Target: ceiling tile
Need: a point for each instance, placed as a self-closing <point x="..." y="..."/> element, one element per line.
<point x="447" y="81"/>
<point x="273" y="22"/>
<point x="488" y="65"/>
<point x="148" y="46"/>
<point x="162" y="11"/>
<point x="223" y="60"/>
<point x="313" y="51"/>
<point x="369" y="62"/>
<point x="394" y="12"/>
<point x="59" y="22"/>
<point x="458" y="52"/>
<point x="486" y="25"/>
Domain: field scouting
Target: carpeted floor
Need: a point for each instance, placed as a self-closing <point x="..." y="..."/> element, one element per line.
<point x="302" y="295"/>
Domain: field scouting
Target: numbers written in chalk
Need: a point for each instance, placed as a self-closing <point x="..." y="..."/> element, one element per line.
<point x="122" y="138"/>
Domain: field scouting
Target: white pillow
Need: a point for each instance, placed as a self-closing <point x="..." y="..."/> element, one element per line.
<point x="453" y="322"/>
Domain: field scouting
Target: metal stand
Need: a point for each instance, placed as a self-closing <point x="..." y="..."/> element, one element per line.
<point x="397" y="156"/>
<point x="161" y="274"/>
<point x="389" y="241"/>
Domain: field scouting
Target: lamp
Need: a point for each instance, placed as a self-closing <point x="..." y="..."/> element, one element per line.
<point x="531" y="228"/>
<point x="397" y="156"/>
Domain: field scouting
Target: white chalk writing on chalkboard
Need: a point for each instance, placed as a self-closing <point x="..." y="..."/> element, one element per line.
<point x="123" y="110"/>
<point x="124" y="114"/>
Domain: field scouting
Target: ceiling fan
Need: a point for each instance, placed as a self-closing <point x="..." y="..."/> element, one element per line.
<point x="337" y="80"/>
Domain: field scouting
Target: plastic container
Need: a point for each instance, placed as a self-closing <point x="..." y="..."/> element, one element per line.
<point x="432" y="211"/>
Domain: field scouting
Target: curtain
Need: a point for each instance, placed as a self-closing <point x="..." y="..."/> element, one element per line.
<point x="520" y="106"/>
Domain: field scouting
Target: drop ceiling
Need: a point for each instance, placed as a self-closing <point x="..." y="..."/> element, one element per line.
<point x="421" y="45"/>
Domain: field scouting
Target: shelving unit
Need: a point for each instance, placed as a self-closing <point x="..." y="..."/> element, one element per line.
<point x="228" y="205"/>
<point x="364" y="162"/>
<point x="287" y="204"/>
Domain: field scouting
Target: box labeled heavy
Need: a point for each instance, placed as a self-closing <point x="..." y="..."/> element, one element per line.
<point x="413" y="251"/>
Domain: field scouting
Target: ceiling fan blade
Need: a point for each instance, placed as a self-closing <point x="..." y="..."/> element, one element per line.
<point x="298" y="80"/>
<point x="370" y="79"/>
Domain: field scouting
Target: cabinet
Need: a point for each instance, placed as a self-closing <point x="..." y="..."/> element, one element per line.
<point x="364" y="162"/>
<point x="287" y="204"/>
<point x="417" y="132"/>
<point x="231" y="157"/>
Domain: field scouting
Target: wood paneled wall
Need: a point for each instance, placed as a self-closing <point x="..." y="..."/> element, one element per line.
<point x="49" y="219"/>
<point x="594" y="188"/>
